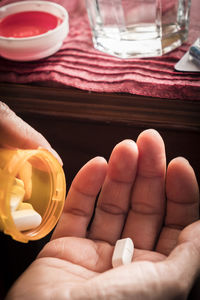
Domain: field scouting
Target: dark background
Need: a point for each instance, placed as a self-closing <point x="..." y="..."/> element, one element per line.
<point x="78" y="129"/>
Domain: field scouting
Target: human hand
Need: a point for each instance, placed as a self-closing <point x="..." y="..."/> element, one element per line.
<point x="138" y="199"/>
<point x="16" y="133"/>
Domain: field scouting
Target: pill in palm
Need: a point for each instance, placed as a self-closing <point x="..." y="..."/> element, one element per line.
<point x="26" y="219"/>
<point x="123" y="252"/>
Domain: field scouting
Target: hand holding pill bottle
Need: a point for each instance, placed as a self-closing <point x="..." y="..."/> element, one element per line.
<point x="109" y="206"/>
<point x="32" y="193"/>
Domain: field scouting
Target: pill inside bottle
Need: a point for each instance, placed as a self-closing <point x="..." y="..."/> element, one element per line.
<point x="32" y="193"/>
<point x="26" y="219"/>
<point x="17" y="194"/>
<point x="23" y="213"/>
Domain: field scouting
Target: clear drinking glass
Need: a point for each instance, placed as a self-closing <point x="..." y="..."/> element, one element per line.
<point x="138" y="28"/>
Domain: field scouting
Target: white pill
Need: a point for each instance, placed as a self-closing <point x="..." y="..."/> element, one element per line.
<point x="123" y="252"/>
<point x="26" y="219"/>
<point x="14" y="202"/>
<point x="17" y="194"/>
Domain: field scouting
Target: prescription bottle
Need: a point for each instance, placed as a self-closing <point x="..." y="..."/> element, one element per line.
<point x="34" y="178"/>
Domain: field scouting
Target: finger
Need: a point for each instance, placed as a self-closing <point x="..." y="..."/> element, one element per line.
<point x="15" y="133"/>
<point x="148" y="198"/>
<point x="182" y="202"/>
<point x="114" y="200"/>
<point x="185" y="258"/>
<point x="79" y="205"/>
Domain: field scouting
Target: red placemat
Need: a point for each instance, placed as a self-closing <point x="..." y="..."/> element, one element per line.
<point x="79" y="65"/>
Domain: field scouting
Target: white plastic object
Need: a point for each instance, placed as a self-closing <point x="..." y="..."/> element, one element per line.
<point x="123" y="252"/>
<point x="17" y="194"/>
<point x="14" y="202"/>
<point x="38" y="46"/>
<point x="26" y="217"/>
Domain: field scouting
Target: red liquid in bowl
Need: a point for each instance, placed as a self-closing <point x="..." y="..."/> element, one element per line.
<point x="28" y="23"/>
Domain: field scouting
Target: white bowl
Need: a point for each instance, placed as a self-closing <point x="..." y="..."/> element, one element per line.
<point x="38" y="46"/>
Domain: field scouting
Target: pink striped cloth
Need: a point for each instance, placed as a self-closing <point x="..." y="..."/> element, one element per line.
<point x="77" y="64"/>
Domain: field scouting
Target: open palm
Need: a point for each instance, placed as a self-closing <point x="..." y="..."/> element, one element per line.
<point x="138" y="199"/>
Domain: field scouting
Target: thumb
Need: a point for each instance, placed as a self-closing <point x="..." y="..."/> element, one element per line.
<point x="16" y="133"/>
<point x="184" y="260"/>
